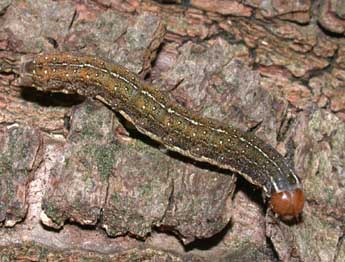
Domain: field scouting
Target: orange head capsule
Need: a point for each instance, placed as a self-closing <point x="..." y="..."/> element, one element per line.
<point x="287" y="204"/>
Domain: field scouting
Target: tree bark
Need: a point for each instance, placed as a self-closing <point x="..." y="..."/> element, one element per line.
<point x="78" y="182"/>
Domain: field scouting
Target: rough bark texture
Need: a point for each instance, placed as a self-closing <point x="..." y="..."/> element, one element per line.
<point x="78" y="183"/>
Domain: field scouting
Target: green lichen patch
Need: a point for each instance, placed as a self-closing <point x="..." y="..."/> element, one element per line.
<point x="18" y="151"/>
